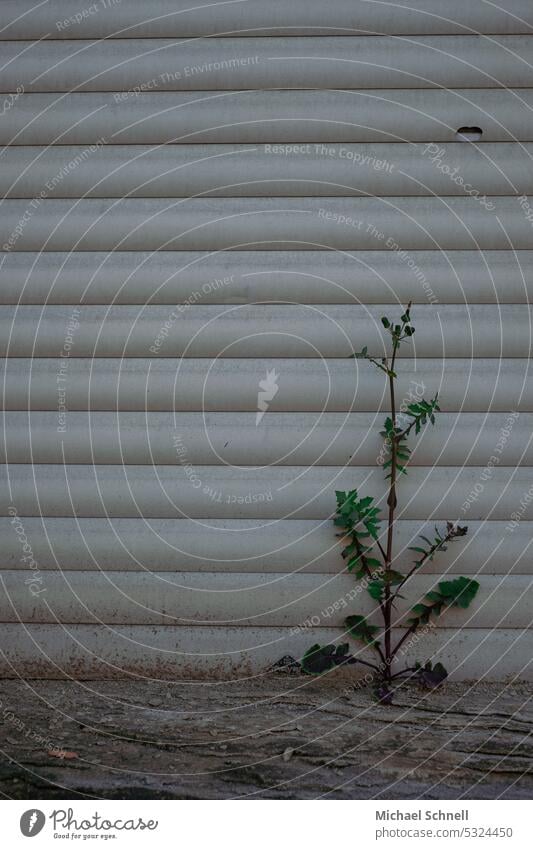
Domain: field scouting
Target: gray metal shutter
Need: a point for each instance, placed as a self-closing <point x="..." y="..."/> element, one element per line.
<point x="205" y="213"/>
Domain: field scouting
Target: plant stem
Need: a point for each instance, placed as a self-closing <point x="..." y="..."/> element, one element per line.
<point x="400" y="642"/>
<point x="427" y="556"/>
<point x="408" y="671"/>
<point x="382" y="550"/>
<point x="366" y="567"/>
<point x="405" y="433"/>
<point x="391" y="501"/>
<point x="353" y="660"/>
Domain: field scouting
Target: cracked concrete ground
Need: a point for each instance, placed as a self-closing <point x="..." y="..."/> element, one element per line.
<point x="281" y="736"/>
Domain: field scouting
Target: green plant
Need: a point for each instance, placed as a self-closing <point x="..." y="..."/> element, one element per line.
<point x="369" y="552"/>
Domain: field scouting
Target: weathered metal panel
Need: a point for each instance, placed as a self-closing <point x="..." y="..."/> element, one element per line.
<point x="163" y="18"/>
<point x="269" y="170"/>
<point x="186" y="215"/>
<point x="297" y="439"/>
<point x="243" y="277"/>
<point x="288" y="117"/>
<point x="302" y="602"/>
<point x="288" y="330"/>
<point x="177" y="653"/>
<point x="223" y="492"/>
<point x="229" y="64"/>
<point x="414" y="223"/>
<point x="226" y="384"/>
<point x="245" y="545"/>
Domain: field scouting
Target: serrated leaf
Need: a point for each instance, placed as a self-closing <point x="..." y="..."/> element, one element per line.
<point x="459" y="592"/>
<point x="353" y="563"/>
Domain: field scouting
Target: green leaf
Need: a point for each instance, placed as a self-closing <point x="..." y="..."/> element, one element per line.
<point x="430" y="676"/>
<point x="372" y="561"/>
<point x="360" y="630"/>
<point x="385" y="321"/>
<point x="422" y="613"/>
<point x="319" y="659"/>
<point x="354" y="562"/>
<point x="342" y="522"/>
<point x="459" y="592"/>
<point x="375" y="589"/>
<point x="359" y="519"/>
<point x="393" y="577"/>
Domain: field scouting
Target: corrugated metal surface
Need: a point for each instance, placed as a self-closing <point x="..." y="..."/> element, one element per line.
<point x="284" y="63"/>
<point x="288" y="117"/>
<point x="20" y="19"/>
<point x="211" y="194"/>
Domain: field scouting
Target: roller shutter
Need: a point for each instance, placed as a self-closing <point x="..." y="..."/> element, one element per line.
<point x="205" y="210"/>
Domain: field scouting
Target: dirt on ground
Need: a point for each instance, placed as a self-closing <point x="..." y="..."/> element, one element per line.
<point x="283" y="736"/>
